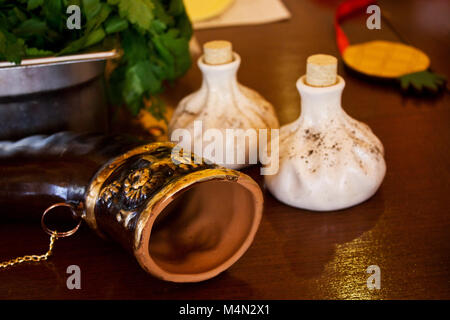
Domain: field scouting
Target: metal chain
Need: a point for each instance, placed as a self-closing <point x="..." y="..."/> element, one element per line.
<point x="32" y="258"/>
<point x="53" y="236"/>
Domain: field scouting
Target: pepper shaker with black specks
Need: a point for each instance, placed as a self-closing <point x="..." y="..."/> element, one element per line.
<point x="328" y="160"/>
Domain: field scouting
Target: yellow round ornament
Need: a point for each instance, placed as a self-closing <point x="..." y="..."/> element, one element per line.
<point x="385" y="59"/>
<point x="406" y="64"/>
<point x="199" y="10"/>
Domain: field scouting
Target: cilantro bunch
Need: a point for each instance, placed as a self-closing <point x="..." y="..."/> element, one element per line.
<point x="152" y="34"/>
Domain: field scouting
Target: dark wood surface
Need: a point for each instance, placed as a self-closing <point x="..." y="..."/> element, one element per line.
<point x="404" y="228"/>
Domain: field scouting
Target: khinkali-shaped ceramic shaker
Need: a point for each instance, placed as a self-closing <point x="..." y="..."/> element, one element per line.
<point x="328" y="160"/>
<point x="220" y="104"/>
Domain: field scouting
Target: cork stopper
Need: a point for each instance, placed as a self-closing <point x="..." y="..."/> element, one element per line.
<point x="321" y="70"/>
<point x="218" y="52"/>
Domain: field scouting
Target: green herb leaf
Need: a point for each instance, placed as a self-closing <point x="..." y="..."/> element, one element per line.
<point x="33" y="4"/>
<point x="31" y="27"/>
<point x="152" y="34"/>
<point x="91" y="8"/>
<point x="34" y="52"/>
<point x="115" y="24"/>
<point x="53" y="11"/>
<point x="139" y="12"/>
<point x="11" y="48"/>
<point x="94" y="21"/>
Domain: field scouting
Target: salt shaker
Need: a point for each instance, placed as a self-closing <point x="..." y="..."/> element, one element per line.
<point x="221" y="104"/>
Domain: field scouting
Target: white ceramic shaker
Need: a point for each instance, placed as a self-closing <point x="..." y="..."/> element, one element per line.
<point x="328" y="160"/>
<point x="223" y="103"/>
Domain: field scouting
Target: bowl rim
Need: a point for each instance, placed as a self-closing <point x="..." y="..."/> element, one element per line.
<point x="91" y="56"/>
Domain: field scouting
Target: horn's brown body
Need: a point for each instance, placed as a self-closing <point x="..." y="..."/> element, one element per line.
<point x="183" y="221"/>
<point x="38" y="171"/>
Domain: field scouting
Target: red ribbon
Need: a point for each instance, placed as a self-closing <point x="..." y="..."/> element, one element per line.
<point x="343" y="11"/>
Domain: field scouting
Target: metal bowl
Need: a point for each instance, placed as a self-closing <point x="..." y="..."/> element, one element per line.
<point x="48" y="95"/>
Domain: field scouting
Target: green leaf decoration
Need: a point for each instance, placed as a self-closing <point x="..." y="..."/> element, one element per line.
<point x="422" y="81"/>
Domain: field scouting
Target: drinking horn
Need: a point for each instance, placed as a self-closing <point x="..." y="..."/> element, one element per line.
<point x="183" y="220"/>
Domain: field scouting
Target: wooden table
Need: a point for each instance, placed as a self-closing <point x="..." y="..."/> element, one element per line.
<point x="404" y="228"/>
